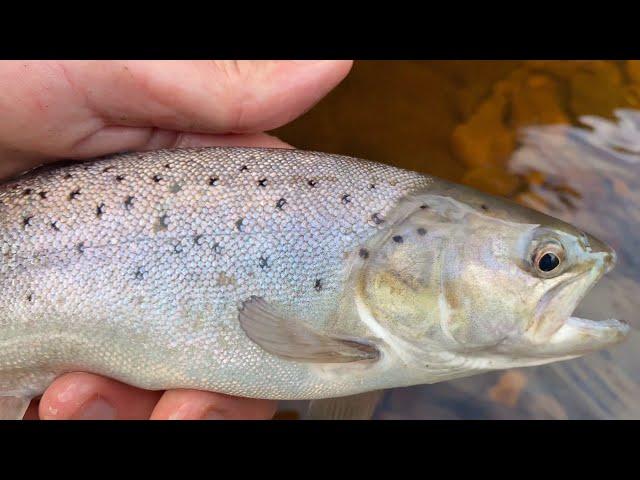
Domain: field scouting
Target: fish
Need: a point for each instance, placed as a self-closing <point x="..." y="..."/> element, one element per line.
<point x="280" y="274"/>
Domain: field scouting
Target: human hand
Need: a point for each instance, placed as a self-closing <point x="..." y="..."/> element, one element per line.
<point x="81" y="109"/>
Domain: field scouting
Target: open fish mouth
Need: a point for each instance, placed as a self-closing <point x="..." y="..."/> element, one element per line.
<point x="577" y="336"/>
<point x="565" y="334"/>
<point x="595" y="333"/>
<point x="574" y="337"/>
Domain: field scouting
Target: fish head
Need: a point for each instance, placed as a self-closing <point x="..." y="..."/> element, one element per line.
<point x="486" y="281"/>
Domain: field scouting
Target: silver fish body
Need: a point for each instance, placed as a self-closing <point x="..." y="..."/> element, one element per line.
<point x="139" y="266"/>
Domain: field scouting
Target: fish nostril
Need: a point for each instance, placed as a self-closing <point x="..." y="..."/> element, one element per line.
<point x="602" y="250"/>
<point x="595" y="244"/>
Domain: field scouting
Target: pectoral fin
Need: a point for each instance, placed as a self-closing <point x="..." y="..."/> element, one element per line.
<point x="13" y="408"/>
<point x="353" y="407"/>
<point x="294" y="340"/>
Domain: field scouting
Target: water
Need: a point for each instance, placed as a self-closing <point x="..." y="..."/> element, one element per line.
<point x="559" y="136"/>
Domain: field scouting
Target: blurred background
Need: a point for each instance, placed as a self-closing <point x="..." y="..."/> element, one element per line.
<point x="560" y="136"/>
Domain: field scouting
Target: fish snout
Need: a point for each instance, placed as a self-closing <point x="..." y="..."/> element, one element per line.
<point x="608" y="254"/>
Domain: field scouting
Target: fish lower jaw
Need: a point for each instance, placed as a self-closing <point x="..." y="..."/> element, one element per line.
<point x="575" y="337"/>
<point x="598" y="324"/>
<point x="607" y="332"/>
<point x="578" y="336"/>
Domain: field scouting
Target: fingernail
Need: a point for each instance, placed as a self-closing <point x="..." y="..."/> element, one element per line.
<point x="96" y="409"/>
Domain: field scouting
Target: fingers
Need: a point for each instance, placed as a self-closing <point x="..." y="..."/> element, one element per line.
<point x="82" y="109"/>
<point x="84" y="396"/>
<point x="197" y="405"/>
<point x="91" y="397"/>
<point x="202" y="96"/>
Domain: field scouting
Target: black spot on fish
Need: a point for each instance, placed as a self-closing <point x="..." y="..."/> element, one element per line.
<point x="377" y="219"/>
<point x="106" y="169"/>
<point x="55" y="226"/>
<point x="372" y="186"/>
<point x="198" y="240"/>
<point x="80" y="247"/>
<point x="167" y="166"/>
<point x="157" y="178"/>
<point x="100" y="210"/>
<point x="262" y="182"/>
<point x="281" y="203"/>
<point x="424" y="206"/>
<point x="140" y="274"/>
<point x="217" y="249"/>
<point x="244" y="168"/>
<point x="239" y="224"/>
<point x="263" y="262"/>
<point x="213" y="181"/>
<point x="398" y="239"/>
<point x="128" y="203"/>
<point x="161" y="224"/>
<point x="119" y="178"/>
<point x="75" y="194"/>
<point x="312" y="183"/>
<point x="421" y="231"/>
<point x="177" y="248"/>
<point x="346" y="198"/>
<point x="26" y="222"/>
<point x="43" y="194"/>
<point x="484" y="207"/>
<point x="67" y="176"/>
<point x="318" y="285"/>
<point x="30" y="297"/>
<point x="27" y="192"/>
<point x="364" y="253"/>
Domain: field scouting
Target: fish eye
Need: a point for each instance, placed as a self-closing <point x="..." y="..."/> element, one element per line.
<point x="548" y="259"/>
<point x="548" y="262"/>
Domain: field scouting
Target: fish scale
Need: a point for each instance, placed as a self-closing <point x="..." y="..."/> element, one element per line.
<point x="111" y="294"/>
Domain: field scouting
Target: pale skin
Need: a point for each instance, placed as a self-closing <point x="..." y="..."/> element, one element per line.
<point x="82" y="109"/>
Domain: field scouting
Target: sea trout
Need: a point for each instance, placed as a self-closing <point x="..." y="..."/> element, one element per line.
<point x="280" y="274"/>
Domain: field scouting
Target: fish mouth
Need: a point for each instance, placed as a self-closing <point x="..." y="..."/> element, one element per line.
<point x="574" y="337"/>
<point x="569" y="335"/>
